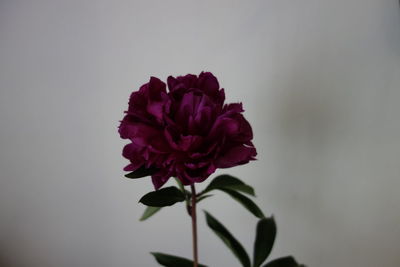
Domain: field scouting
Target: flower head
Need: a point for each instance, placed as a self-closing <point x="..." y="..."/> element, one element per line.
<point x="186" y="132"/>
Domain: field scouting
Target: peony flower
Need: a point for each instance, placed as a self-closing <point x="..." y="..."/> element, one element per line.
<point x="186" y="131"/>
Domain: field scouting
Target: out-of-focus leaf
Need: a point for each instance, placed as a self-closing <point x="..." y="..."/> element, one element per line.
<point x="229" y="240"/>
<point x="141" y="172"/>
<point x="173" y="261"/>
<point x="246" y="202"/>
<point x="187" y="193"/>
<point x="181" y="186"/>
<point x="203" y="197"/>
<point x="265" y="237"/>
<point x="148" y="212"/>
<point x="288" y="261"/>
<point x="226" y="181"/>
<point x="163" y="197"/>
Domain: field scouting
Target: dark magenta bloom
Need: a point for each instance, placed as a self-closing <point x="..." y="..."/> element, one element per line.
<point x="186" y="131"/>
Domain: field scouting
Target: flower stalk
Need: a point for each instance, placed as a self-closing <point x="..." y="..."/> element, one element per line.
<point x="194" y="227"/>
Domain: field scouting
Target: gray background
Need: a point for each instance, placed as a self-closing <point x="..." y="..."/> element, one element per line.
<point x="320" y="84"/>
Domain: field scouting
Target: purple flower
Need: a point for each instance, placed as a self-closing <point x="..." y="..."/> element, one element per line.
<point x="186" y="132"/>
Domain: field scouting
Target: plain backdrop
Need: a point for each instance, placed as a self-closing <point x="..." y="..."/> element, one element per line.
<point x="320" y="83"/>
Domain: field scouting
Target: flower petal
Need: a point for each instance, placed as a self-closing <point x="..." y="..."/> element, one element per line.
<point x="236" y="156"/>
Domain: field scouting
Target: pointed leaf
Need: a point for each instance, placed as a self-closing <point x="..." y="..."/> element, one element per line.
<point x="265" y="238"/>
<point x="163" y="197"/>
<point x="288" y="261"/>
<point x="228" y="239"/>
<point x="173" y="261"/>
<point x="229" y="182"/>
<point x="185" y="192"/>
<point x="180" y="185"/>
<point x="203" y="197"/>
<point x="246" y="202"/>
<point x="148" y="212"/>
<point x="141" y="172"/>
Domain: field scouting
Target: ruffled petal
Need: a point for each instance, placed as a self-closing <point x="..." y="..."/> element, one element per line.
<point x="185" y="132"/>
<point x="237" y="155"/>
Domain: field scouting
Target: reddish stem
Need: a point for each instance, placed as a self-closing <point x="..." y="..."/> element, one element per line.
<point x="194" y="227"/>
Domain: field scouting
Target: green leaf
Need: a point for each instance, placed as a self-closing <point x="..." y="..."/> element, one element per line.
<point x="246" y="202"/>
<point x="184" y="191"/>
<point x="164" y="197"/>
<point x="173" y="261"/>
<point x="181" y="186"/>
<point x="148" y="212"/>
<point x="203" y="197"/>
<point x="141" y="172"/>
<point x="265" y="238"/>
<point x="229" y="182"/>
<point x="228" y="239"/>
<point x="288" y="261"/>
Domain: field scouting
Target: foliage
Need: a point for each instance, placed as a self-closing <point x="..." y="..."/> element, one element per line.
<point x="265" y="232"/>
